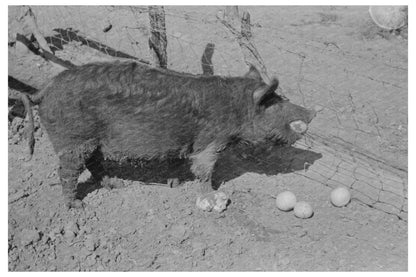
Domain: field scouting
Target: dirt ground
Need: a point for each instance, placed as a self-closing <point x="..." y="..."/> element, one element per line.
<point x="329" y="56"/>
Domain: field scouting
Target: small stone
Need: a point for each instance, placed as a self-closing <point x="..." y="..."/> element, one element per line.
<point x="203" y="204"/>
<point x="216" y="201"/>
<point x="91" y="214"/>
<point x="221" y="201"/>
<point x="166" y="206"/>
<point x="28" y="237"/>
<point x="178" y="231"/>
<point x="52" y="236"/>
<point x="198" y="248"/>
<point x="27" y="176"/>
<point x="81" y="221"/>
<point x="17" y="124"/>
<point x="45" y="239"/>
<point x="105" y="243"/>
<point x="284" y="262"/>
<point x="238" y="250"/>
<point x="57" y="231"/>
<point x="13" y="256"/>
<point x="91" y="243"/>
<point x="69" y="236"/>
<point x="71" y="227"/>
<point x="51" y="174"/>
<point x="188" y="212"/>
<point x="39" y="132"/>
<point x="21" y="132"/>
<point x="36" y="123"/>
<point x="90" y="261"/>
<point x="15" y="139"/>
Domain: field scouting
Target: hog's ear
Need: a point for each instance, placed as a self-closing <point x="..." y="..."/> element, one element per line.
<point x="253" y="73"/>
<point x="266" y="96"/>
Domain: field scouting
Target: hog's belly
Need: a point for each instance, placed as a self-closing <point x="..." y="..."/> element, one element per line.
<point x="144" y="141"/>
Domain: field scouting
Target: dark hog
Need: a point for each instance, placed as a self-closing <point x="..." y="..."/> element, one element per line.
<point x="125" y="110"/>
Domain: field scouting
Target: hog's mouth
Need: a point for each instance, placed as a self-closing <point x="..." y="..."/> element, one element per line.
<point x="295" y="130"/>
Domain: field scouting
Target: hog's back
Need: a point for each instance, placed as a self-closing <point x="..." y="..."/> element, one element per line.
<point x="136" y="111"/>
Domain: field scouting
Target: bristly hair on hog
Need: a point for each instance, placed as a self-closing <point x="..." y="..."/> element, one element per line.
<point x="127" y="110"/>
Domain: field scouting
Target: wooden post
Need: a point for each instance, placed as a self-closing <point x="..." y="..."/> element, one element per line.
<point x="206" y="63"/>
<point x="158" y="41"/>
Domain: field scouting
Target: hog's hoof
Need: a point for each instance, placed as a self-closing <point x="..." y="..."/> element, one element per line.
<point x="75" y="204"/>
<point x="215" y="200"/>
<point x="27" y="158"/>
<point x="173" y="182"/>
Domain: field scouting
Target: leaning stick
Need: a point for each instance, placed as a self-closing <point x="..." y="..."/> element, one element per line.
<point x="250" y="52"/>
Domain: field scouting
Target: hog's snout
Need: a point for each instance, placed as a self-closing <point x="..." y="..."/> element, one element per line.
<point x="298" y="126"/>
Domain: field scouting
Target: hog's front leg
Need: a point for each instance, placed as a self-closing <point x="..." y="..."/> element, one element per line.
<point x="202" y="167"/>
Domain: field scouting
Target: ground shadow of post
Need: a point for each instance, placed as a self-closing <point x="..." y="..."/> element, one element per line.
<point x="233" y="162"/>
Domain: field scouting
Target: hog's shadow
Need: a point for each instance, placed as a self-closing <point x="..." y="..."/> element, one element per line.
<point x="233" y="162"/>
<point x="272" y="160"/>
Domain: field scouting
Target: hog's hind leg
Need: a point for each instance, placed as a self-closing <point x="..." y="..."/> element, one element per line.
<point x="72" y="161"/>
<point x="95" y="165"/>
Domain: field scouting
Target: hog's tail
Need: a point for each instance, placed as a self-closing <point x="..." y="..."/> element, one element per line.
<point x="30" y="127"/>
<point x="28" y="101"/>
